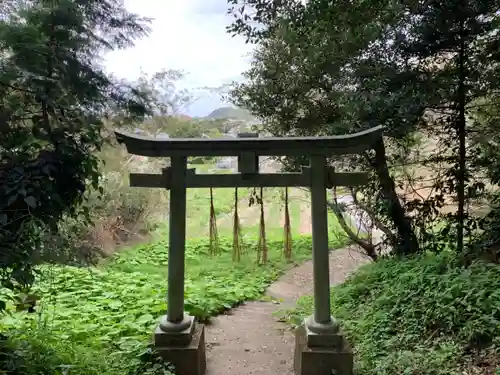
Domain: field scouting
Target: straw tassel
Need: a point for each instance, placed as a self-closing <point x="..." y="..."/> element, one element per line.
<point x="237" y="237"/>
<point x="287" y="242"/>
<point x="214" y="235"/>
<point x="262" y="245"/>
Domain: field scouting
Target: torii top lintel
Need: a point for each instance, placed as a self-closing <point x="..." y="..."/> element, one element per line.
<point x="271" y="146"/>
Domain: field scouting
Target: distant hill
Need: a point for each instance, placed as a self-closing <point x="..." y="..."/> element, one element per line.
<point x="232" y="113"/>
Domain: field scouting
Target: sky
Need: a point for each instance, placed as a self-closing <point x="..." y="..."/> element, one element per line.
<point x="188" y="35"/>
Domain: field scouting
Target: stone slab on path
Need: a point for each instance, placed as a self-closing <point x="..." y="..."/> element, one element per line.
<point x="250" y="341"/>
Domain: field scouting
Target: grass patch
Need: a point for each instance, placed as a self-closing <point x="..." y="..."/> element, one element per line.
<point x="425" y="315"/>
<point x="100" y="320"/>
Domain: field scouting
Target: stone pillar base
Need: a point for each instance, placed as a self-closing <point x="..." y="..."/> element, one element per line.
<point x="187" y="356"/>
<point x="315" y="356"/>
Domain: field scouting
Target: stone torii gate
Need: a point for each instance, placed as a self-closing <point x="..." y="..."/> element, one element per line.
<point x="179" y="339"/>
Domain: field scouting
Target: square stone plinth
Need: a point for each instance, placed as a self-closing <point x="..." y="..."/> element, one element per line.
<point x="174" y="338"/>
<point x="321" y="360"/>
<point x="187" y="359"/>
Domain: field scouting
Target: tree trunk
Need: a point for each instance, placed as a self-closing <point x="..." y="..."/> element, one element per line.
<point x="407" y="241"/>
<point x="461" y="133"/>
<point x="369" y="248"/>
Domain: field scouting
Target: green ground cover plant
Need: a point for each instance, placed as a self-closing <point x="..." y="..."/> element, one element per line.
<point x="99" y="320"/>
<point x="424" y="315"/>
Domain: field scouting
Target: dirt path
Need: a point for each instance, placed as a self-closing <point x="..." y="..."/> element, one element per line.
<point x="250" y="341"/>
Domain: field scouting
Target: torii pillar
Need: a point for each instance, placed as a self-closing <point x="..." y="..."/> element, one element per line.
<point x="320" y="348"/>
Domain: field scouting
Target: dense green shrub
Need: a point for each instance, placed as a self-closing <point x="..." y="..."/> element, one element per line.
<point x="425" y="315"/>
<point x="121" y="301"/>
<point x="51" y="120"/>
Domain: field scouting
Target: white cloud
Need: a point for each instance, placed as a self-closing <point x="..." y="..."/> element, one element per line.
<point x="188" y="35"/>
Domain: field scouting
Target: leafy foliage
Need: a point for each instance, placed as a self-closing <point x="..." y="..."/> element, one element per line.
<point x="121" y="301"/>
<point x="425" y="315"/>
<point x="418" y="68"/>
<point x="54" y="96"/>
